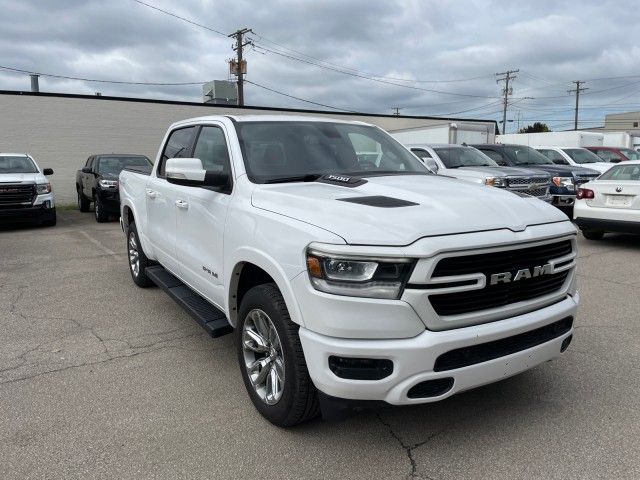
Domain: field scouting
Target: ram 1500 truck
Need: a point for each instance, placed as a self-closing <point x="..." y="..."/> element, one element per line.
<point x="346" y="278"/>
<point x="25" y="191"/>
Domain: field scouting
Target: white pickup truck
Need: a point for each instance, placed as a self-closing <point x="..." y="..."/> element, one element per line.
<point x="346" y="277"/>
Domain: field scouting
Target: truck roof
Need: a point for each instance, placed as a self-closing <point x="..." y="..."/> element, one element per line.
<point x="436" y="145"/>
<point x="9" y="154"/>
<point x="270" y="118"/>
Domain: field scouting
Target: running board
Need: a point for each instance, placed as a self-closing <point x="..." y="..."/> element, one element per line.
<point x="209" y="317"/>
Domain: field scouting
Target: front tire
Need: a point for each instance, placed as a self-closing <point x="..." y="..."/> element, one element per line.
<point x="51" y="219"/>
<point x="593" y="234"/>
<point x="138" y="261"/>
<point x="101" y="215"/>
<point x="271" y="359"/>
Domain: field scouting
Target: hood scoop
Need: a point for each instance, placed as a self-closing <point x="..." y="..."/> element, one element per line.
<point x="379" y="201"/>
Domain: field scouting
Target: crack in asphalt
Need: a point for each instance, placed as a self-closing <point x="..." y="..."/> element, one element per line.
<point x="409" y="448"/>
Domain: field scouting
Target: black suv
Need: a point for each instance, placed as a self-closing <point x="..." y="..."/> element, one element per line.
<point x="565" y="178"/>
<point x="97" y="182"/>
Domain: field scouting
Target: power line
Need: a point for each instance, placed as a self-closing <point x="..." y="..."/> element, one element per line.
<point x="96" y="80"/>
<point x="174" y="15"/>
<point x="298" y="98"/>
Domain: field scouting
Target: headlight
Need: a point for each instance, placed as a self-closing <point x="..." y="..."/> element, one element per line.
<point x="566" y="182"/>
<point x="108" y="183"/>
<point x="358" y="277"/>
<point x="495" y="182"/>
<point x="43" y="188"/>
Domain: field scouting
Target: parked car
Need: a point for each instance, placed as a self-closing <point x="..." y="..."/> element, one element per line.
<point x="611" y="203"/>
<point x="25" y="191"/>
<point x="565" y="178"/>
<point x="343" y="278"/>
<point x="97" y="182"/>
<point x="614" y="154"/>
<point x="574" y="156"/>
<point x="467" y="163"/>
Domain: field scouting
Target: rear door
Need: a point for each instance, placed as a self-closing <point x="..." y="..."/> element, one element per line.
<point x="201" y="218"/>
<point x="161" y="198"/>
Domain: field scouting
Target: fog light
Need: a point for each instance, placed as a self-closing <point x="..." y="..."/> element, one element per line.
<point x="360" y="368"/>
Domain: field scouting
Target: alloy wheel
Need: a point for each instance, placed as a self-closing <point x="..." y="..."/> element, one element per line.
<point x="134" y="256"/>
<point x="263" y="356"/>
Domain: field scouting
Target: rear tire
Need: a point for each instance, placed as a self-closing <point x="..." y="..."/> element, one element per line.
<point x="101" y="215"/>
<point x="593" y="234"/>
<point x="277" y="346"/>
<point x="83" y="203"/>
<point x="138" y="261"/>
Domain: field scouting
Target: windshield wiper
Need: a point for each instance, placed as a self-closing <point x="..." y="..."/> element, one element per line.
<point x="311" y="177"/>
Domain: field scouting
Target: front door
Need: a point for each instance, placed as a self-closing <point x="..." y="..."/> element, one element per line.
<point x="161" y="198"/>
<point x="201" y="218"/>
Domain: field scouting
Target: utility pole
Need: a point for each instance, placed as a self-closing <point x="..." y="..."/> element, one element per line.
<point x="396" y="110"/>
<point x="578" y="89"/>
<point x="506" y="77"/>
<point x="240" y="43"/>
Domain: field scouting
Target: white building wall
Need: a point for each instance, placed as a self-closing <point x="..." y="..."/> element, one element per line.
<point x="62" y="131"/>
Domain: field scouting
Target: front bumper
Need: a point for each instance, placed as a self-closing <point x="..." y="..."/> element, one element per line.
<point x="414" y="358"/>
<point x="109" y="200"/>
<point x="43" y="208"/>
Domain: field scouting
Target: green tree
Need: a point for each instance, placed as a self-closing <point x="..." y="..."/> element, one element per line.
<point x="535" y="128"/>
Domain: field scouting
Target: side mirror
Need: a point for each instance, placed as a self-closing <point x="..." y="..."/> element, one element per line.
<point x="47" y="171"/>
<point x="431" y="164"/>
<point x="189" y="172"/>
<point x="86" y="170"/>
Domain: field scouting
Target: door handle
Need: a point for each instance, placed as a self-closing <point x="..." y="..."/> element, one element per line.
<point x="182" y="204"/>
<point x="151" y="193"/>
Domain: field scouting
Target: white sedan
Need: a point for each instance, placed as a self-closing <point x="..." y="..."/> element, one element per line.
<point x="611" y="203"/>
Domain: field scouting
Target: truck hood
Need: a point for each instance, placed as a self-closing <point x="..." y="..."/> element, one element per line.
<point x="22" y="178"/>
<point x="500" y="171"/>
<point x="564" y="170"/>
<point x="439" y="206"/>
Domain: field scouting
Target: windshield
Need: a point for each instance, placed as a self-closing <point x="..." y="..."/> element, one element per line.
<point x="630" y="154"/>
<point x="15" y="164"/>
<point x="455" y="157"/>
<point x="582" y="155"/>
<point x="622" y="172"/>
<point x="297" y="151"/>
<point x="114" y="165"/>
<point x="523" y="155"/>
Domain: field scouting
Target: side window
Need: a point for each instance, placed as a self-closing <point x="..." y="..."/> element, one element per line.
<point x="420" y="153"/>
<point x="178" y="146"/>
<point x="89" y="161"/>
<point x="495" y="156"/>
<point x="555" y="157"/>
<point x="607" y="155"/>
<point x="211" y="149"/>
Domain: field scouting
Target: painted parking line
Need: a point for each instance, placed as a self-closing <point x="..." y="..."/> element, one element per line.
<point x="97" y="243"/>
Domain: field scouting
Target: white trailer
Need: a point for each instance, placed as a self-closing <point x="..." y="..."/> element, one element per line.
<point x="621" y="140"/>
<point x="449" y="132"/>
<point x="556" y="139"/>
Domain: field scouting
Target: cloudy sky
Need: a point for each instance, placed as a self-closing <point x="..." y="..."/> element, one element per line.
<point x="429" y="57"/>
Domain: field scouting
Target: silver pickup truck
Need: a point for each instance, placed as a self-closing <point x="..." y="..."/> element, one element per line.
<point x="467" y="163"/>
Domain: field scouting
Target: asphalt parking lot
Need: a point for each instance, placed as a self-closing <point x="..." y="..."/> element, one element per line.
<point x="101" y="379"/>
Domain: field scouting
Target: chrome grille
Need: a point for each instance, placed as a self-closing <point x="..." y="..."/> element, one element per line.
<point x="534" y="186"/>
<point x="525" y="181"/>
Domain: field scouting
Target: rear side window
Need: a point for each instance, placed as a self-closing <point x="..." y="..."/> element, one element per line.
<point x="607" y="155"/>
<point x="211" y="149"/>
<point x="420" y="153"/>
<point x="178" y="146"/>
<point x="495" y="156"/>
